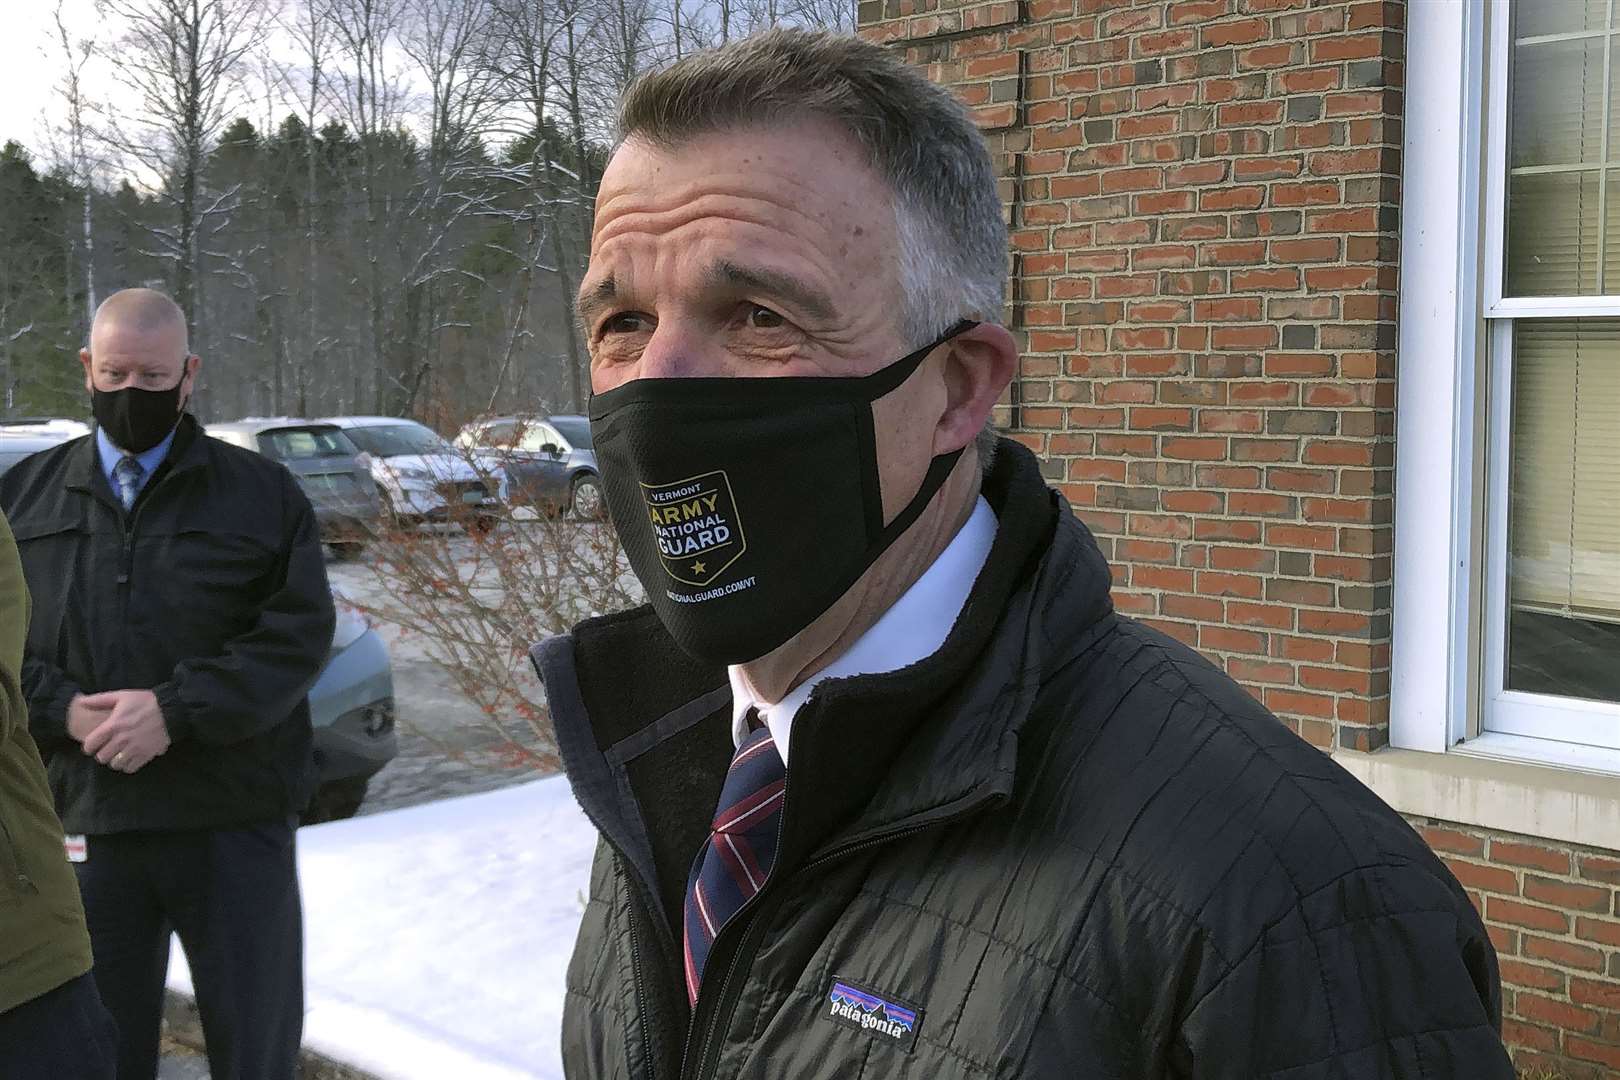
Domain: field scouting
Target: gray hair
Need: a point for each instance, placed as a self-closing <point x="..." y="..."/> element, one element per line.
<point x="948" y="217"/>
<point x="916" y="136"/>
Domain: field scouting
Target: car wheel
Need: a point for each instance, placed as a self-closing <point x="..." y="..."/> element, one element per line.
<point x="335" y="800"/>
<point x="347" y="551"/>
<point x="585" y="499"/>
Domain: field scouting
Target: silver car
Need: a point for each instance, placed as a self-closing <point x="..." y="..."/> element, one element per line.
<point x="549" y="462"/>
<point x="328" y="467"/>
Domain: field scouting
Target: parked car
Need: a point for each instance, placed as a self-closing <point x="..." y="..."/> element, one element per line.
<point x="328" y="467"/>
<point x="352" y="709"/>
<point x="351" y="705"/>
<point x="421" y="476"/>
<point x="549" y="460"/>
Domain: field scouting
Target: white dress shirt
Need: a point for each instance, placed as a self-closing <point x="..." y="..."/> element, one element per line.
<point x="914" y="628"/>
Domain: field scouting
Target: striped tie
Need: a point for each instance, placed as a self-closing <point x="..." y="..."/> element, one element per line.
<point x="734" y="862"/>
<point x="127" y="476"/>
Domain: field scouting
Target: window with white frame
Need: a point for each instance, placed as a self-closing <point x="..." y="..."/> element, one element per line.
<point x="1550" y="288"/>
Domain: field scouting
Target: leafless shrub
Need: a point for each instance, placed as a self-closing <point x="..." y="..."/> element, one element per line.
<point x="476" y="591"/>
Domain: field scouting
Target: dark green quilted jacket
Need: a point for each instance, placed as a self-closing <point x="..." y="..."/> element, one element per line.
<point x="1064" y="846"/>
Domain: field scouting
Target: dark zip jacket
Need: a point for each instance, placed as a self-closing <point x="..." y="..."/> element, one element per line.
<point x="211" y="592"/>
<point x="1064" y="846"/>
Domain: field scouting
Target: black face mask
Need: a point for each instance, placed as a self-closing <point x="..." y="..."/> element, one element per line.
<point x="748" y="506"/>
<point x="137" y="420"/>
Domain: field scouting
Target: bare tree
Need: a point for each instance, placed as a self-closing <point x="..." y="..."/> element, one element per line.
<point x="180" y="60"/>
<point x="76" y="54"/>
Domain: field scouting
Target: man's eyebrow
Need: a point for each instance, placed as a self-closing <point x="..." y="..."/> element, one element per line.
<point x="809" y="299"/>
<point x="593" y="300"/>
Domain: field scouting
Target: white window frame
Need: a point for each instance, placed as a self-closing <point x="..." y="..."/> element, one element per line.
<point x="1449" y="622"/>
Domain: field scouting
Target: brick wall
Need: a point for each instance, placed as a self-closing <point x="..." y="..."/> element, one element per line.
<point x="1554" y="913"/>
<point x="1203" y="200"/>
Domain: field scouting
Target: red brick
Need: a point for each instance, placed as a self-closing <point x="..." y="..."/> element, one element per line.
<point x="1600" y="868"/>
<point x="1194" y="449"/>
<point x="1532" y="976"/>
<point x="1567" y="894"/>
<point x="1536" y="857"/>
<point x="1604" y="995"/>
<point x="1241" y="32"/>
<point x="1518" y="1033"/>
<point x="1602" y="931"/>
<point x="1192" y="502"/>
<point x="1560" y="1014"/>
<point x="1259" y="671"/>
<point x="1240" y="585"/>
<point x="1563" y="953"/>
<point x="1292" y="701"/>
<point x="1443" y="839"/>
<point x="1239" y="613"/>
<point x="1232" y="198"/>
<point x="1268" y="279"/>
<point x="1486" y="878"/>
<point x="1527" y="915"/>
<point x="1228" y="639"/>
<point x="1606" y="1054"/>
<point x="1308" y="80"/>
<point x="1359" y="47"/>
<point x="1197" y="608"/>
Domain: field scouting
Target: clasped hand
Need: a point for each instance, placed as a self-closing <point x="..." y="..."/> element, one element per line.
<point x="122" y="729"/>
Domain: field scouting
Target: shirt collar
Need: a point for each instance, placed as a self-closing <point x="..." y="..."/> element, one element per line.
<point x="110" y="452"/>
<point x="913" y="628"/>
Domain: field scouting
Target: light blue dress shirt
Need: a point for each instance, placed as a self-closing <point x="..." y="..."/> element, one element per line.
<point x="110" y="454"/>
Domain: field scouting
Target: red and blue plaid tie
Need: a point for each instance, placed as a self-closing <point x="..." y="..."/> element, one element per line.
<point x="734" y="862"/>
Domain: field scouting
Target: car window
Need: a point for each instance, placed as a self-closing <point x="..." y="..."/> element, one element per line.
<point x="576" y="430"/>
<point x="538" y="436"/>
<point x="8" y="458"/>
<point x="296" y="444"/>
<point x="394" y="440"/>
<point x="498" y="433"/>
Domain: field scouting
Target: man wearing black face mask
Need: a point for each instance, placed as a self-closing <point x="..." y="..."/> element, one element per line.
<point x="181" y="613"/>
<point x="885" y="786"/>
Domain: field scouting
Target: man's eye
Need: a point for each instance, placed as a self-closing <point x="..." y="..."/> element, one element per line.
<point x="624" y="323"/>
<point x="763" y="318"/>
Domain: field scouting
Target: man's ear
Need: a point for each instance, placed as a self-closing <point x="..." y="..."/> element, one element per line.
<point x="192" y="363"/>
<point x="977" y="368"/>
<point x="84" y="358"/>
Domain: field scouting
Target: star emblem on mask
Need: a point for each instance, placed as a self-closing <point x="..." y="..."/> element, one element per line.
<point x="697" y="568"/>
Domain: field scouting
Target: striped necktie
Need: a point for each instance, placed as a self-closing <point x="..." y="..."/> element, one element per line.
<point x="735" y="860"/>
<point x="127" y="478"/>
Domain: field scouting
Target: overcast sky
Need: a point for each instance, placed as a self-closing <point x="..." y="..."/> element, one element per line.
<point x="28" y="76"/>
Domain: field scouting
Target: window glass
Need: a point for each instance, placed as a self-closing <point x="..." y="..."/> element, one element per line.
<point x="1564" y="509"/>
<point x="395" y="440"/>
<point x="294" y="444"/>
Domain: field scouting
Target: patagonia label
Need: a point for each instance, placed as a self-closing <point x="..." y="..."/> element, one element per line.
<point x="881" y="1015"/>
<point x="696" y="525"/>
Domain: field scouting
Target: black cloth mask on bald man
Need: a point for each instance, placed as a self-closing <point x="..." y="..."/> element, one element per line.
<point x="137" y="420"/>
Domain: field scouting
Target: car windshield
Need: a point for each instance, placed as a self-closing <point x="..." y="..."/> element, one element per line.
<point x="576" y="429"/>
<point x="397" y="440"/>
<point x="8" y="458"/>
<point x="297" y="444"/>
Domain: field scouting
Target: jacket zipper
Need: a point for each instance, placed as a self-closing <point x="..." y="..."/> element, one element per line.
<point x="759" y="925"/>
<point x="640" y="982"/>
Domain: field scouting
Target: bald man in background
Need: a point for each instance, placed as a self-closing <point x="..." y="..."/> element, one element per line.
<point x="181" y="614"/>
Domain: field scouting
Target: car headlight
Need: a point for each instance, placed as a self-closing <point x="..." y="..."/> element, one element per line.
<point x="409" y="472"/>
<point x="351" y="626"/>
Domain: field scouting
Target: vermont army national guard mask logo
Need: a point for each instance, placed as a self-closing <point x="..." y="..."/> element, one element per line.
<point x="696" y="524"/>
<point x="747" y="506"/>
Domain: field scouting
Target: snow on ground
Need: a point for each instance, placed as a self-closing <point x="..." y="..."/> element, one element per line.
<point x="436" y="937"/>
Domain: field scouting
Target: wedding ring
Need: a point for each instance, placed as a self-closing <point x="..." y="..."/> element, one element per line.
<point x="118" y="758"/>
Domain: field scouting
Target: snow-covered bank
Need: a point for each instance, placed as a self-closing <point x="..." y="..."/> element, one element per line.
<point x="437" y="937"/>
